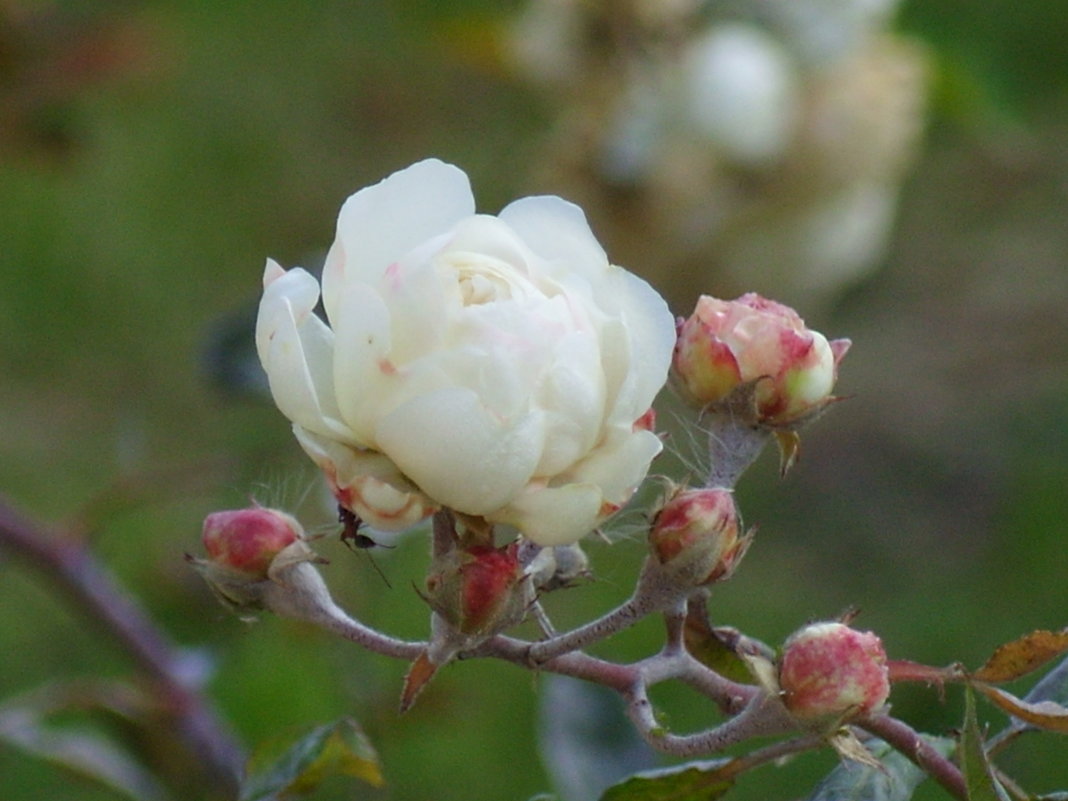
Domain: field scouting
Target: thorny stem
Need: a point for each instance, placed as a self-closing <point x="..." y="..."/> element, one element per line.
<point x="576" y="664"/>
<point x="325" y="613"/>
<point x="751" y="711"/>
<point x="623" y="616"/>
<point x="76" y="572"/>
<point x="653" y="593"/>
<point x="732" y="446"/>
<point x="906" y="740"/>
<point x="762" y="716"/>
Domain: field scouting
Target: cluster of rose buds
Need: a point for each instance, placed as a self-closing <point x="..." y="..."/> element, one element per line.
<point x="499" y="370"/>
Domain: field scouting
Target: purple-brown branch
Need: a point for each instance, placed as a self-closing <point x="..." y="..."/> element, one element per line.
<point x="906" y="740"/>
<point x="74" y="570"/>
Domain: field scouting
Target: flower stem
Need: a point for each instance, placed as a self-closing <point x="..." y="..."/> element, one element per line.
<point x="905" y="739"/>
<point x="623" y="616"/>
<point x="733" y="445"/>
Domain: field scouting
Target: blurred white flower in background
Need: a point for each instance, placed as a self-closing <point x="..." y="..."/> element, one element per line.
<point x="741" y="145"/>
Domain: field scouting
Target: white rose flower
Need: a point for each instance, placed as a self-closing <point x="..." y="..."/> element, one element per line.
<point x="498" y="366"/>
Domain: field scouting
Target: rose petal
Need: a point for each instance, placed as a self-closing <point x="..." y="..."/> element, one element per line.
<point x="381" y="223"/>
<point x="558" y="232"/>
<point x="618" y="464"/>
<point x="367" y="483"/>
<point x="551" y="516"/>
<point x="296" y="349"/>
<point x="458" y="453"/>
<point x="650" y="333"/>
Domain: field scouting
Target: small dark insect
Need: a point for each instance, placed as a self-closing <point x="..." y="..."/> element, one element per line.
<point x="351" y="536"/>
<point x="350" y="531"/>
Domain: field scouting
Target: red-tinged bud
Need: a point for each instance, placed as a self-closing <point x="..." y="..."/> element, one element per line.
<point x="829" y="670"/>
<point x="247" y="540"/>
<point x="696" y="535"/>
<point x="480" y="590"/>
<point x="259" y="559"/>
<point x="726" y="344"/>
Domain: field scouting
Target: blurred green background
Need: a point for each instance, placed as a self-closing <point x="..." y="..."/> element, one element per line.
<point x="152" y="154"/>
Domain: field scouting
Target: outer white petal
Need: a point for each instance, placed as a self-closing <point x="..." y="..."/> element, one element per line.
<point x="599" y="485"/>
<point x="573" y="395"/>
<point x="296" y="349"/>
<point x="367" y="483"/>
<point x="650" y="328"/>
<point x="283" y="292"/>
<point x="362" y="332"/>
<point x="379" y="224"/>
<point x="457" y="453"/>
<point x="619" y="464"/>
<point x="558" y="232"/>
<point x="553" y="516"/>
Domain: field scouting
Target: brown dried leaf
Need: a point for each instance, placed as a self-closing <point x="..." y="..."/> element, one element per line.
<point x="421" y="671"/>
<point x="847" y="746"/>
<point x="1046" y="715"/>
<point x="789" y="449"/>
<point x="1019" y="657"/>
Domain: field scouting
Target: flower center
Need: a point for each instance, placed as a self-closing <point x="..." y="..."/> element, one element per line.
<point x="477" y="288"/>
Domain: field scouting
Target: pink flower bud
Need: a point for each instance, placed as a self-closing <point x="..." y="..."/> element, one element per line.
<point x="480" y="590"/>
<point x="725" y="344"/>
<point x="246" y="541"/>
<point x="829" y="669"/>
<point x="696" y="533"/>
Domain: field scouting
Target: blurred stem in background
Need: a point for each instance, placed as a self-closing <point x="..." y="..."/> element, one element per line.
<point x="70" y="566"/>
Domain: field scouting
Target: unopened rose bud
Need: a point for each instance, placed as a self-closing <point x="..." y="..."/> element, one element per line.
<point x="830" y="670"/>
<point x="696" y="535"/>
<point x="480" y="590"/>
<point x="257" y="558"/>
<point x="726" y="344"/>
<point x="247" y="540"/>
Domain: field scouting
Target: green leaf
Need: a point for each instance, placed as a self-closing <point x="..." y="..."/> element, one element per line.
<point x="894" y="780"/>
<point x="695" y="781"/>
<point x="714" y="647"/>
<point x="978" y="776"/>
<point x="339" y="748"/>
<point x="1019" y="657"/>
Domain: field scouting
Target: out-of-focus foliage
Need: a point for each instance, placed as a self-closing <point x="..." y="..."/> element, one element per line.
<point x="152" y="154"/>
